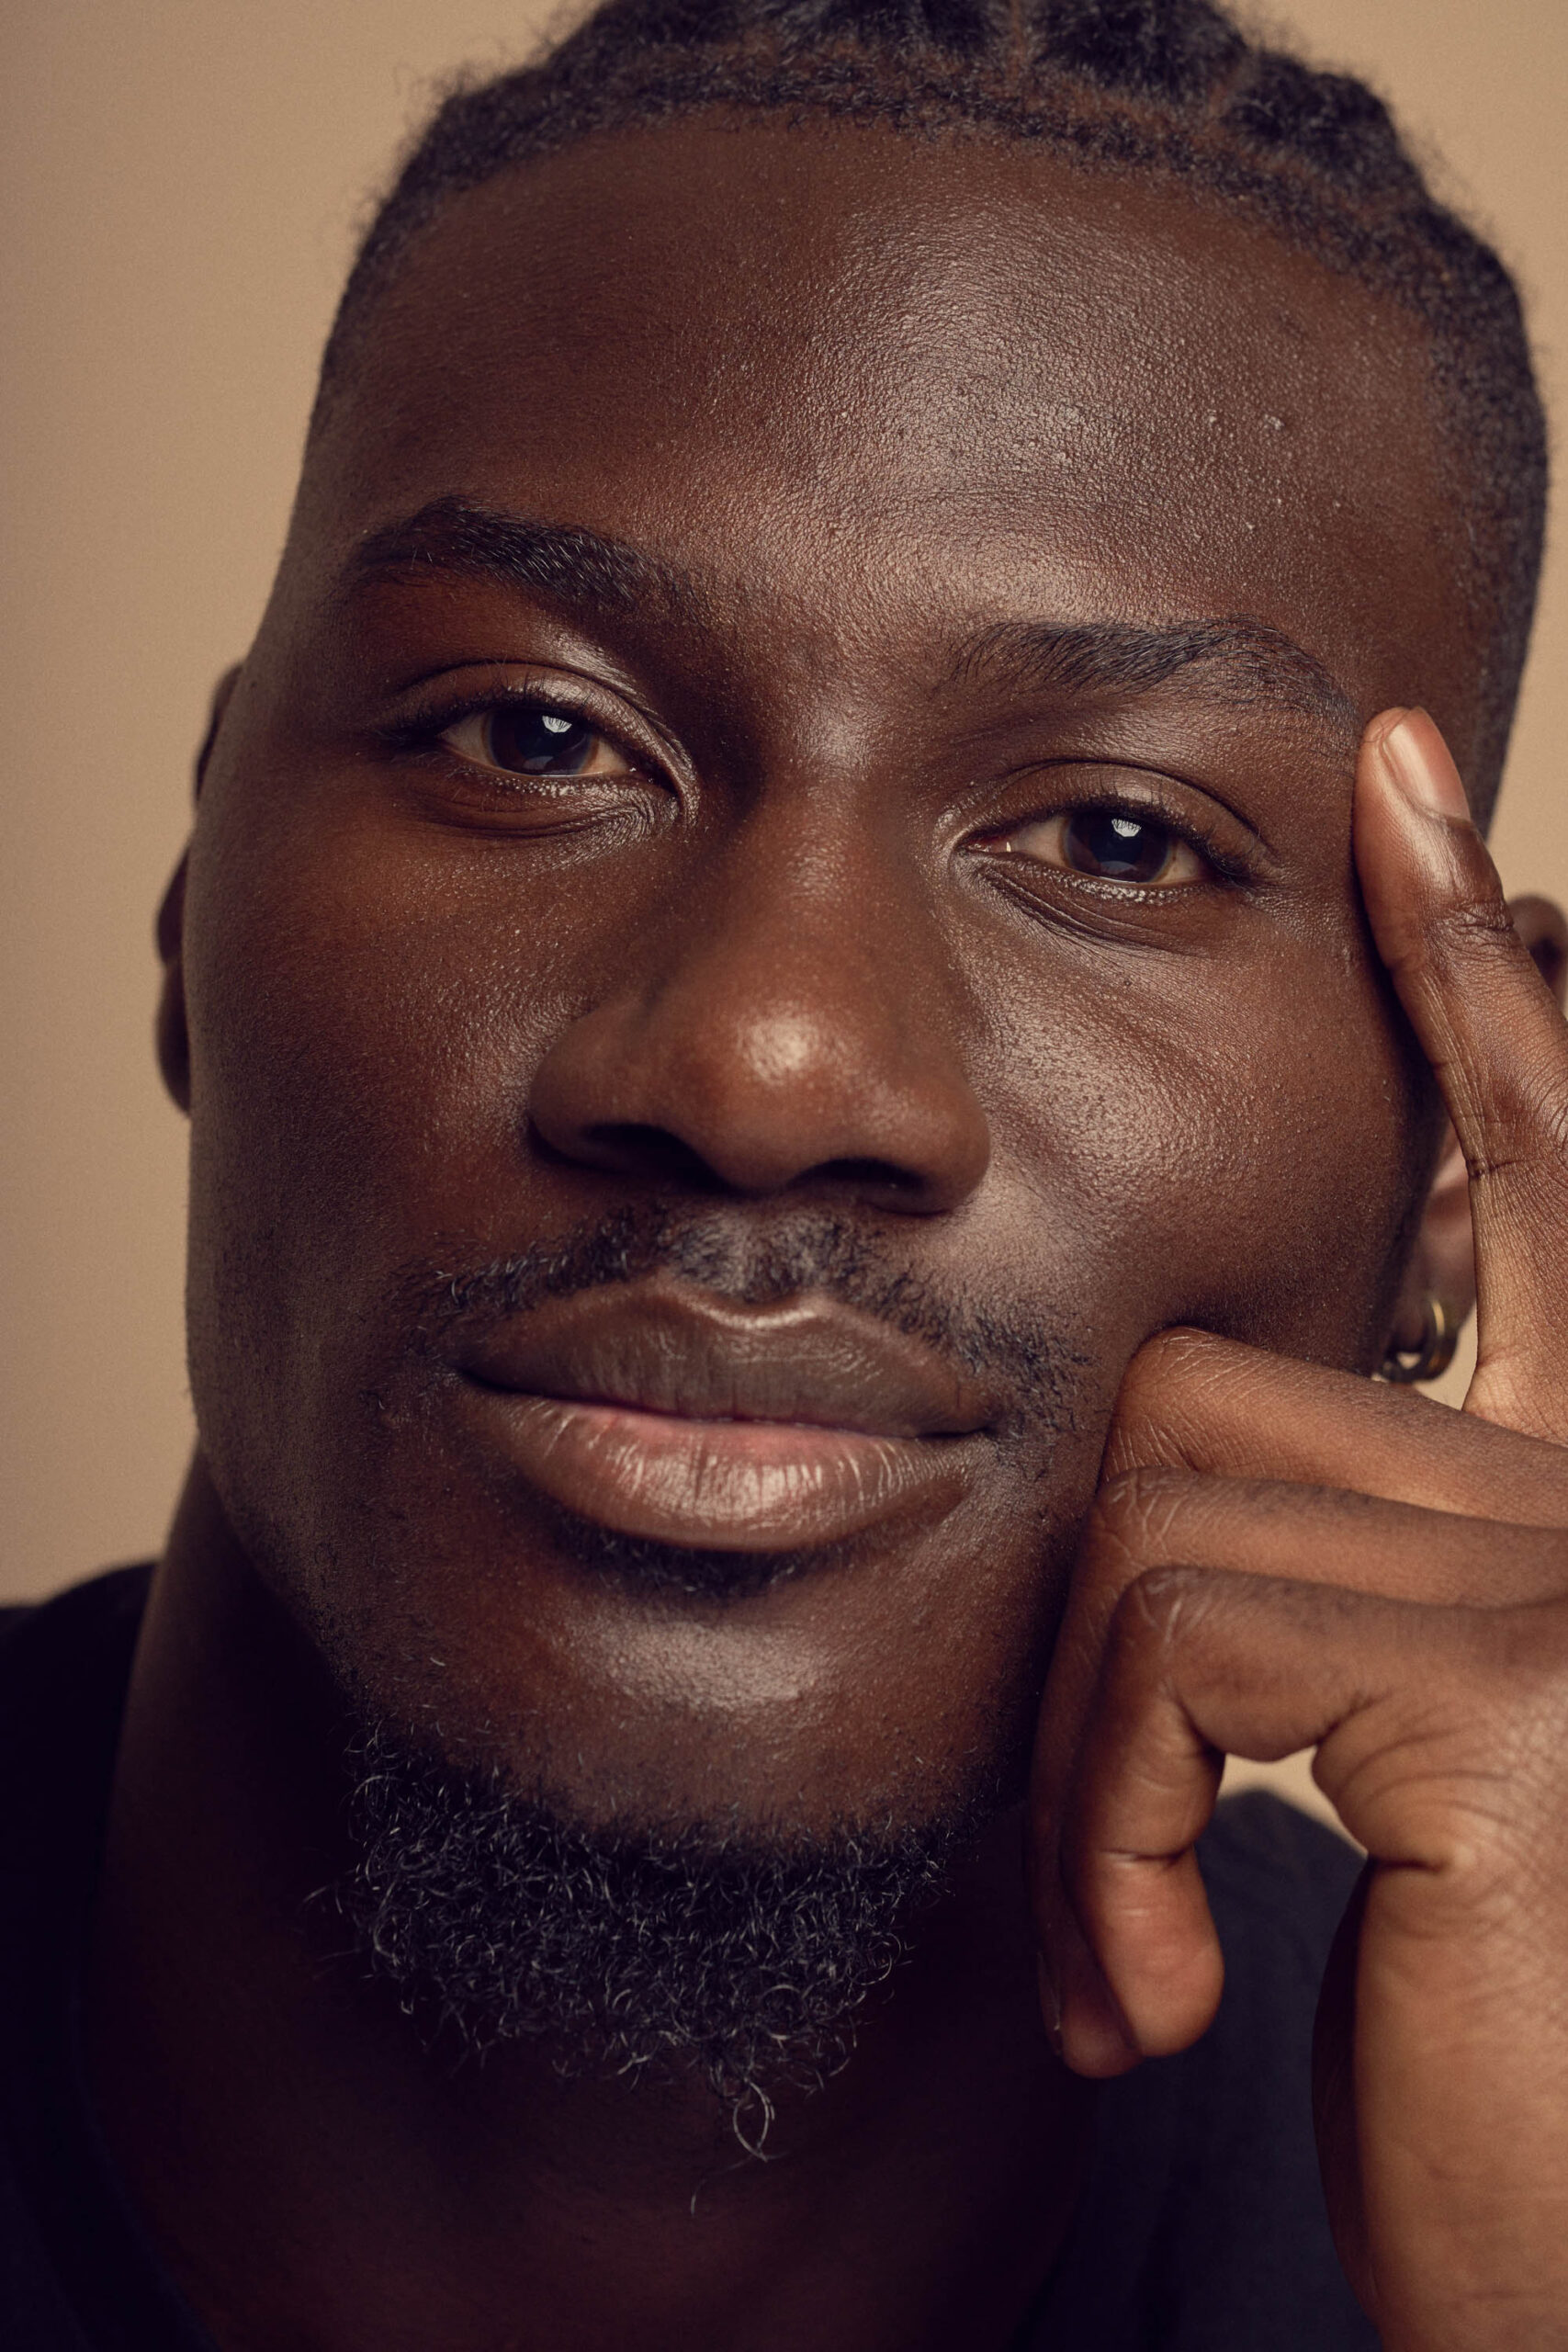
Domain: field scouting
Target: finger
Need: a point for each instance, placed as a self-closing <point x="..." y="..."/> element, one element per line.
<point x="1157" y="1519"/>
<point x="1072" y="1985"/>
<point x="1149" y="1520"/>
<point x="1438" y="1733"/>
<point x="1191" y="1667"/>
<point x="1197" y="1402"/>
<point x="1393" y="1694"/>
<point x="1498" y="1045"/>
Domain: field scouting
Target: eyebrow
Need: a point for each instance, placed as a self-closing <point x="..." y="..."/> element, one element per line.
<point x="1238" y="662"/>
<point x="573" y="565"/>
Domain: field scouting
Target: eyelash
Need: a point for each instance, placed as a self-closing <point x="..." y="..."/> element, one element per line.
<point x="422" y="731"/>
<point x="422" y="734"/>
<point x="1227" y="868"/>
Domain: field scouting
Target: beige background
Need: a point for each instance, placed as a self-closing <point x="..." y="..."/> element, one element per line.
<point x="181" y="182"/>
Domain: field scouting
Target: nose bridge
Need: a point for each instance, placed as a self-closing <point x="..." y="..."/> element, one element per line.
<point x="794" y="1017"/>
<point x="789" y="944"/>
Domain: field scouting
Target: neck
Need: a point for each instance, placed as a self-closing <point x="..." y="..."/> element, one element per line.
<point x="315" y="2172"/>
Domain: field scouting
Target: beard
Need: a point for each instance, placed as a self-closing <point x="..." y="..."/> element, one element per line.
<point x="736" y="1952"/>
<point x="628" y="1949"/>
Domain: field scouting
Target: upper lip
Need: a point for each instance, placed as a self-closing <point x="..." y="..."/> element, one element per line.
<point x="656" y="1347"/>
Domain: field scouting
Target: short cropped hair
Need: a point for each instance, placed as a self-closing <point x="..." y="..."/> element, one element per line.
<point x="1157" y="89"/>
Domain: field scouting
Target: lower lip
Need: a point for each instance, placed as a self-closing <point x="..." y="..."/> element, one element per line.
<point x="731" y="1486"/>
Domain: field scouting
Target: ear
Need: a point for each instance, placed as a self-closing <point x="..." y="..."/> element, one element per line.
<point x="171" y="1034"/>
<point x="1443" y="1260"/>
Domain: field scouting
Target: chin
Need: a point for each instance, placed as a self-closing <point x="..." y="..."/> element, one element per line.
<point x="738" y="1953"/>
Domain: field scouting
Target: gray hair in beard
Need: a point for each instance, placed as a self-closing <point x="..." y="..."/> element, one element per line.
<point x="744" y="1955"/>
<point x="497" y="1916"/>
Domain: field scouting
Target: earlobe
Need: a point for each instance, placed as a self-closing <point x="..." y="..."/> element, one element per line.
<point x="170" y="1032"/>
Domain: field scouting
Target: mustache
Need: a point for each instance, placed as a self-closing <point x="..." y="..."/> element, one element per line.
<point x="749" y="1262"/>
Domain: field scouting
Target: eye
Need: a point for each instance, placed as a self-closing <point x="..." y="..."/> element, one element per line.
<point x="1110" y="845"/>
<point x="534" y="739"/>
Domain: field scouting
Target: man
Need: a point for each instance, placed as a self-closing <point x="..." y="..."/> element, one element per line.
<point x="823" y="976"/>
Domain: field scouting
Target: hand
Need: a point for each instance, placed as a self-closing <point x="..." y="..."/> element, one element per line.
<point x="1283" y="1557"/>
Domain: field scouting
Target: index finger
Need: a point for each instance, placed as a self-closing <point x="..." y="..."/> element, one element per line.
<point x="1498" y="1043"/>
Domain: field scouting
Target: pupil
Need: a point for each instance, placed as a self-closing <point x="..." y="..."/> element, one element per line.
<point x="539" y="742"/>
<point x="1116" y="848"/>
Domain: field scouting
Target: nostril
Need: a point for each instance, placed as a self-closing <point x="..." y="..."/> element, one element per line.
<point x="635" y="1150"/>
<point x="639" y="1149"/>
<point x="880" y="1176"/>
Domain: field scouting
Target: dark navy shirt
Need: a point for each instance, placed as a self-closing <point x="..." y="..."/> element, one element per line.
<point x="1200" y="2228"/>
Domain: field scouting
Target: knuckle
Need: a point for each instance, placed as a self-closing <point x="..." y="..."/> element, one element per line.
<point x="1477" y="924"/>
<point x="1135" y="1517"/>
<point x="1461" y="938"/>
<point x="1525" y="1133"/>
<point x="1442" y="929"/>
<point x="1496" y="1848"/>
<point x="1160" y="1610"/>
<point x="1469" y="925"/>
<point x="1477" y="1770"/>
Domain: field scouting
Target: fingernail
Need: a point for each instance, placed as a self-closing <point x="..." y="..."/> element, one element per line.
<point x="1050" y="2006"/>
<point x="1419" y="763"/>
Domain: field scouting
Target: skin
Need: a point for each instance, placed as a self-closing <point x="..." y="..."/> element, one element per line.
<point x="874" y="419"/>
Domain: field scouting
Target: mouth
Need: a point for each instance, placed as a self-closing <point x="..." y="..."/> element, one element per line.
<point x="655" y="1413"/>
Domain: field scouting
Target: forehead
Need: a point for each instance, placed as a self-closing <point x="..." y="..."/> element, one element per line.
<point x="871" y="374"/>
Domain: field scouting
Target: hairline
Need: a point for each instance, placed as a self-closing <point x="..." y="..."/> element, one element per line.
<point x="812" y="110"/>
<point x="378" y="268"/>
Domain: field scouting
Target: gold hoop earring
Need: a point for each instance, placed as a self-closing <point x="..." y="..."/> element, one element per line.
<point x="1439" y="1338"/>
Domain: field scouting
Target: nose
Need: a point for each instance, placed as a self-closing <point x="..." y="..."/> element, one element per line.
<point x="793" y="1024"/>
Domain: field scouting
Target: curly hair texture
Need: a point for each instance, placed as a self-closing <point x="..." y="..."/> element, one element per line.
<point x="498" y="1918"/>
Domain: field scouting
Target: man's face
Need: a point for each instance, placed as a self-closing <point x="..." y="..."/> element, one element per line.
<point x="709" y="1053"/>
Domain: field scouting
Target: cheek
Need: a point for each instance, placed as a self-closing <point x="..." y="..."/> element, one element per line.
<point x="1230" y="1142"/>
<point x="364" y="1023"/>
